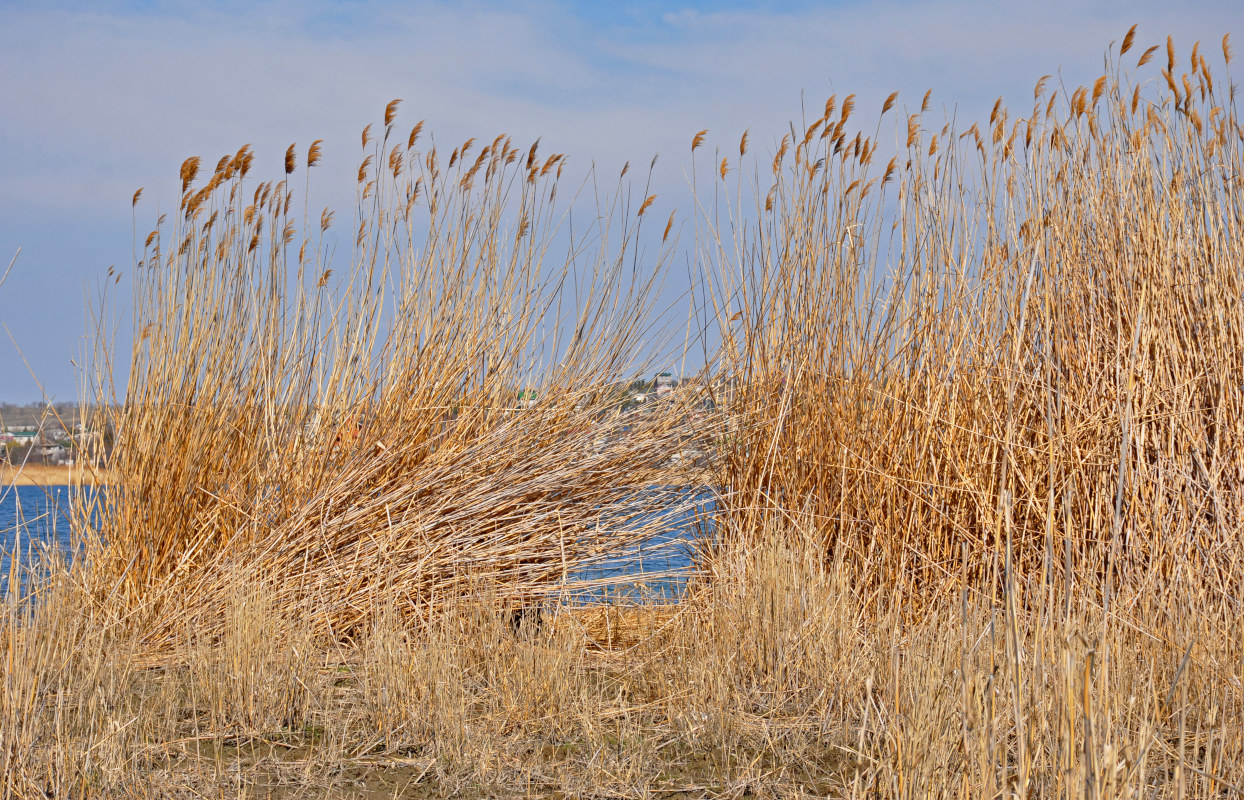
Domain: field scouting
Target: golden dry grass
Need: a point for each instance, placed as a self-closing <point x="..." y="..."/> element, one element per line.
<point x="48" y="475"/>
<point x="1032" y="363"/>
<point x="340" y="436"/>
<point x="778" y="677"/>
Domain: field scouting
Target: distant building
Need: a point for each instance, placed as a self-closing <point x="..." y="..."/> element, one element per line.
<point x="665" y="384"/>
<point x="53" y="454"/>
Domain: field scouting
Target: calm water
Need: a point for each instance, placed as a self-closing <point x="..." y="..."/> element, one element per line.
<point x="656" y="569"/>
<point x="32" y="518"/>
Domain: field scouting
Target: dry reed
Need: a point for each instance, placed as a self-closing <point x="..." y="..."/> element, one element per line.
<point x="977" y="533"/>
<point x="337" y="438"/>
<point x="1023" y="343"/>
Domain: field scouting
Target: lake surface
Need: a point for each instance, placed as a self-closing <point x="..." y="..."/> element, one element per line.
<point x="33" y="519"/>
<point x="657" y="569"/>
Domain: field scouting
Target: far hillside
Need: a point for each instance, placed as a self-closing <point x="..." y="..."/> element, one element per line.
<point x="33" y="415"/>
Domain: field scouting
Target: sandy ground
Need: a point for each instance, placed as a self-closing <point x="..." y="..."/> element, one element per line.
<point x="44" y="475"/>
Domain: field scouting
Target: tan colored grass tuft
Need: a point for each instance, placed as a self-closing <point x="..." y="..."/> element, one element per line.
<point x="1099" y="87"/>
<point x="848" y="106"/>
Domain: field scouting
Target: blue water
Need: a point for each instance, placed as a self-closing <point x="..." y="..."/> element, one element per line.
<point x="34" y="521"/>
<point x="656" y="569"/>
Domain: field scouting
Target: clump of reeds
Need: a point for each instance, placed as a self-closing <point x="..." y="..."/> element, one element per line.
<point x="344" y="432"/>
<point x="1014" y="347"/>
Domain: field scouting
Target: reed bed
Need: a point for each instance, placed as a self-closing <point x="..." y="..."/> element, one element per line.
<point x="1016" y="344"/>
<point x="783" y="676"/>
<point x="342" y="436"/>
<point x="975" y="459"/>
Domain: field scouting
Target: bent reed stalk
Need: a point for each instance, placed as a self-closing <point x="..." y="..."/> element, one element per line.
<point x="344" y="438"/>
<point x="978" y="458"/>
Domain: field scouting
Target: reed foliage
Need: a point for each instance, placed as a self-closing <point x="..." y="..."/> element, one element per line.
<point x="335" y="434"/>
<point x="781" y="675"/>
<point x="1015" y="346"/>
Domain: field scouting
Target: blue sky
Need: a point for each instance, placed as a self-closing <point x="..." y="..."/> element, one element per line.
<point x="99" y="99"/>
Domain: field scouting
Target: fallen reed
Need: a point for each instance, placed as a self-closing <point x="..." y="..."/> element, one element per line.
<point x="344" y="434"/>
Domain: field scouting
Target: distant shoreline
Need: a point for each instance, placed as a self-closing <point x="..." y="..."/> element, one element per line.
<point x="45" y="475"/>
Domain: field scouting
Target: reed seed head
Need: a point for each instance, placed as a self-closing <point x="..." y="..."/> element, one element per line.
<point x="1128" y="40"/>
<point x="189" y="169"/>
<point x="390" y="111"/>
<point x="1099" y="87"/>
